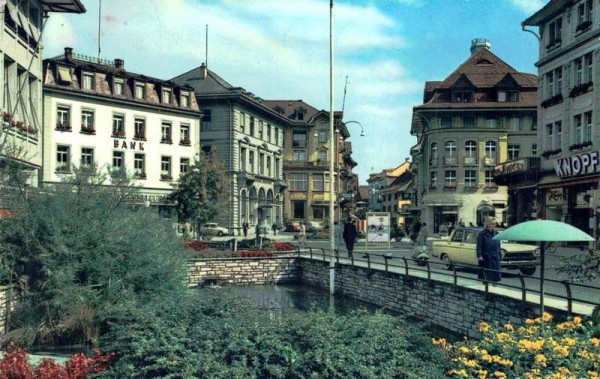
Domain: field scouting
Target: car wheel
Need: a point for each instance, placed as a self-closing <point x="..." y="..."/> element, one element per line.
<point x="447" y="262"/>
<point x="528" y="270"/>
<point x="220" y="233"/>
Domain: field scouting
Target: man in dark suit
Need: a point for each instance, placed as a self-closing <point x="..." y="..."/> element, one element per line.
<point x="350" y="236"/>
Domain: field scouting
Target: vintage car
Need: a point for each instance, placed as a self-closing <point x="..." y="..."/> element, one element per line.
<point x="459" y="249"/>
<point x="213" y="229"/>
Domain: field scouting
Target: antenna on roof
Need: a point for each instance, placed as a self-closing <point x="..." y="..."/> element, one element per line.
<point x="206" y="47"/>
<point x="344" y="99"/>
<point x="99" y="24"/>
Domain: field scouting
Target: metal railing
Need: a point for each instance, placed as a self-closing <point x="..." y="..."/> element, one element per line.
<point x="573" y="292"/>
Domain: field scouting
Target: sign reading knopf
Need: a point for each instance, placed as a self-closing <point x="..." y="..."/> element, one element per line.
<point x="579" y="164"/>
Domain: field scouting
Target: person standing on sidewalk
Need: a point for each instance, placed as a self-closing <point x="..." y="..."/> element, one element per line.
<point x="245" y="228"/>
<point x="488" y="252"/>
<point x="338" y="235"/>
<point x="302" y="235"/>
<point x="350" y="236"/>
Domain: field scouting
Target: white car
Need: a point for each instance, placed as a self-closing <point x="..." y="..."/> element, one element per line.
<point x="213" y="229"/>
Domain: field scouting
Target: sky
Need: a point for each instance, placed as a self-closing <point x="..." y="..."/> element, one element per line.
<point x="384" y="51"/>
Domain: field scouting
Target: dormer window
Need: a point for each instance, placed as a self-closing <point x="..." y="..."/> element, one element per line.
<point x="185" y="99"/>
<point x="118" y="86"/>
<point x="166" y="96"/>
<point x="87" y="81"/>
<point x="508" y="96"/>
<point x="461" y="96"/>
<point x="300" y="113"/>
<point x="140" y="91"/>
<point x="64" y="75"/>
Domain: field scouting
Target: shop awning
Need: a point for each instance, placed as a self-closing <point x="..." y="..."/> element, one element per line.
<point x="566" y="183"/>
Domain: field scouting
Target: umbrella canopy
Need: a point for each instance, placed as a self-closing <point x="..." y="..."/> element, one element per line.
<point x="543" y="231"/>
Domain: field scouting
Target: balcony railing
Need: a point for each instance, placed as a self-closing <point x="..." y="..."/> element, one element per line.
<point x="470" y="160"/>
<point x="489" y="161"/>
<point x="450" y="161"/>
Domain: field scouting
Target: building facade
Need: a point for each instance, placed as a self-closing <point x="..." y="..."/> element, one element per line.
<point x="306" y="162"/>
<point x="247" y="136"/>
<point x="21" y="89"/>
<point x="97" y="113"/>
<point x="568" y="111"/>
<point x="481" y="115"/>
<point x="380" y="181"/>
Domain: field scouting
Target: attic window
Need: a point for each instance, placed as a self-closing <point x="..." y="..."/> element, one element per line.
<point x="483" y="61"/>
<point x="462" y="96"/>
<point x="300" y="113"/>
<point x="279" y="110"/>
<point x="64" y="75"/>
<point x="508" y="95"/>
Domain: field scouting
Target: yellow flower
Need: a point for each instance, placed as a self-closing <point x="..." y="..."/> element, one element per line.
<point x="499" y="374"/>
<point x="577" y="320"/>
<point x="541" y="359"/>
<point x="546" y="317"/>
<point x="503" y="337"/>
<point x="464" y="350"/>
<point x="569" y="341"/>
<point x="484" y="327"/>
<point x="595" y="341"/>
<point x="564" y="371"/>
<point x="471" y="363"/>
<point x="561" y="351"/>
<point x="529" y="321"/>
<point x="509" y="327"/>
<point x="482" y="374"/>
<point x="462" y="373"/>
<point x="592" y="374"/>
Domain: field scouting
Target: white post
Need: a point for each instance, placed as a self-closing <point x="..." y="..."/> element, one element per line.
<point x="331" y="156"/>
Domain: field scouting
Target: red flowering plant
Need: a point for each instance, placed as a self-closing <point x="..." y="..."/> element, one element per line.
<point x="284" y="246"/>
<point x="7" y="117"/>
<point x="196" y="245"/>
<point x="255" y="253"/>
<point x="14" y="365"/>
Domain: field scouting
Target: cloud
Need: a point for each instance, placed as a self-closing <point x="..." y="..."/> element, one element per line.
<point x="529" y="6"/>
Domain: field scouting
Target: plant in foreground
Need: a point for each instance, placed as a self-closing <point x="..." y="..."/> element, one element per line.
<point x="538" y="349"/>
<point x="14" y="365"/>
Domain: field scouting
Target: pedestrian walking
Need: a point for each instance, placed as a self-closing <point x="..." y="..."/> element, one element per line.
<point x="245" y="228"/>
<point x="338" y="235"/>
<point x="350" y="236"/>
<point x="274" y="227"/>
<point x="420" y="245"/>
<point x="302" y="235"/>
<point x="488" y="252"/>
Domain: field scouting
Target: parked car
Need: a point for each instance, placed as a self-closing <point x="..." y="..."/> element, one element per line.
<point x="459" y="248"/>
<point x="314" y="227"/>
<point x="213" y="229"/>
<point x="292" y="226"/>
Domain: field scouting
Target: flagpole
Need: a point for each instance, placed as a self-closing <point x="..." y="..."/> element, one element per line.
<point x="331" y="157"/>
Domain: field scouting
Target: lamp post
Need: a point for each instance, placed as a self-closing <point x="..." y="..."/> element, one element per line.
<point x="362" y="129"/>
<point x="331" y="156"/>
<point x="339" y="181"/>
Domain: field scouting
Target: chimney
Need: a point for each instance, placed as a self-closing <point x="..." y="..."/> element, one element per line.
<point x="119" y="63"/>
<point x="68" y="53"/>
<point x="479" y="44"/>
<point x="203" y="71"/>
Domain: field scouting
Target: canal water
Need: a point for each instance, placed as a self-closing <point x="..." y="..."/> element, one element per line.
<point x="304" y="298"/>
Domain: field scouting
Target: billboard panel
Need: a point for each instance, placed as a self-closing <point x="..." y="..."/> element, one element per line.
<point x="378" y="227"/>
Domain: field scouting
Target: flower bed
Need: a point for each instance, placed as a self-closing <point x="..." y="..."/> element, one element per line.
<point x="284" y="246"/>
<point x="538" y="349"/>
<point x="255" y="253"/>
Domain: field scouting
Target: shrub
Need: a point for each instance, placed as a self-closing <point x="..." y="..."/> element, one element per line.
<point x="218" y="336"/>
<point x="196" y="245"/>
<point x="13" y="365"/>
<point x="539" y="349"/>
<point x="284" y="246"/>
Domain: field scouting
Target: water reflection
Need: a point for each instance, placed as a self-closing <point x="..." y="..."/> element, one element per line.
<point x="293" y="297"/>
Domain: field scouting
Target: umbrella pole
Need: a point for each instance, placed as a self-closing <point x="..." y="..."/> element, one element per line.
<point x="542" y="256"/>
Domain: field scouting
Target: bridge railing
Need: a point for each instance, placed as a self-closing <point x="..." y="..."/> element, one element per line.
<point x="574" y="293"/>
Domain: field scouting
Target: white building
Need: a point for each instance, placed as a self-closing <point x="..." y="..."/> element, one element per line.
<point x="96" y="112"/>
<point x="569" y="86"/>
<point x="21" y="85"/>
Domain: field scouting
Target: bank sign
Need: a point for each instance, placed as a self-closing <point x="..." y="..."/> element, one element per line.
<point x="575" y="165"/>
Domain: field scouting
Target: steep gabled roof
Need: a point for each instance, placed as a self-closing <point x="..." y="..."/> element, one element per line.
<point x="484" y="70"/>
<point x="205" y="82"/>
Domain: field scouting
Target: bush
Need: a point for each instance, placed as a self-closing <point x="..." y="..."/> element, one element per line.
<point x="218" y="336"/>
<point x="14" y="365"/>
<point x="539" y="349"/>
<point x="284" y="246"/>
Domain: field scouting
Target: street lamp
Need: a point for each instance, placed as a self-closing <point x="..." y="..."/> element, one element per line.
<point x="331" y="148"/>
<point x="362" y="129"/>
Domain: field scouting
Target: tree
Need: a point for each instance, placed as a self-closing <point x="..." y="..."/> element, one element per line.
<point x="202" y="191"/>
<point x="83" y="251"/>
